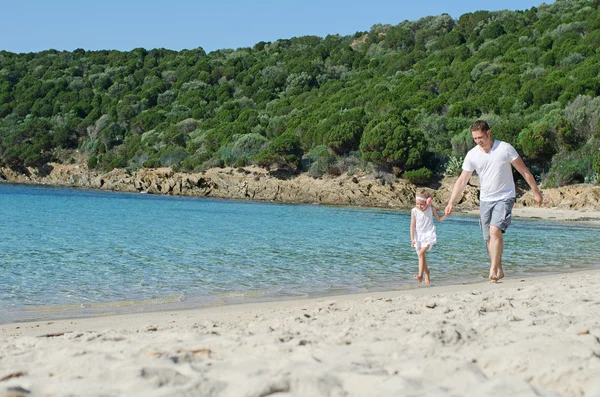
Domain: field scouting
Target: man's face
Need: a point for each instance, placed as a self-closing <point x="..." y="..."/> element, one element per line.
<point x="481" y="138"/>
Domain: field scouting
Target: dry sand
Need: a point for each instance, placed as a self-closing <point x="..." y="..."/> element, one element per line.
<point x="591" y="218"/>
<point x="522" y="337"/>
<point x="557" y="214"/>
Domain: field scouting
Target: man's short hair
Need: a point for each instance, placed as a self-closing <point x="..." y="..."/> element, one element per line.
<point x="480" y="125"/>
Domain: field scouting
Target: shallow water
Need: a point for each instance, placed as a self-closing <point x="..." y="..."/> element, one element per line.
<point x="67" y="252"/>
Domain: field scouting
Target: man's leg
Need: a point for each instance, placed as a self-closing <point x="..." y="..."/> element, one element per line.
<point x="485" y="217"/>
<point x="495" y="246"/>
<point x="501" y="219"/>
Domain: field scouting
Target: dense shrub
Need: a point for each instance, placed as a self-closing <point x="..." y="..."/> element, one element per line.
<point x="92" y="162"/>
<point x="283" y="152"/>
<point x="462" y="143"/>
<point x="319" y="161"/>
<point x="566" y="172"/>
<point x="453" y="166"/>
<point x="388" y="141"/>
<point x="538" y="142"/>
<point x="242" y="149"/>
<point x="596" y="167"/>
<point x="267" y="158"/>
<point x="421" y="176"/>
<point x="344" y="137"/>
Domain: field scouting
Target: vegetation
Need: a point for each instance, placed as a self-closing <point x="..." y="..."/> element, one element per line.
<point x="397" y="97"/>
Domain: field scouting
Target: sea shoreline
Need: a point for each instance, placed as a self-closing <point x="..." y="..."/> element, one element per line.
<point x="417" y="289"/>
<point x="48" y="314"/>
<point x="51" y="314"/>
<point x="72" y="312"/>
<point x="443" y="340"/>
<point x="360" y="189"/>
<point x="524" y="208"/>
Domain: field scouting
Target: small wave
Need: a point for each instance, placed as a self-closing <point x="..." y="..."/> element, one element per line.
<point x="106" y="305"/>
<point x="248" y="294"/>
<point x="54" y="308"/>
<point x="163" y="300"/>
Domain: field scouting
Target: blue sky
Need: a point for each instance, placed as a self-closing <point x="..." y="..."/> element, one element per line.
<point x="37" y="25"/>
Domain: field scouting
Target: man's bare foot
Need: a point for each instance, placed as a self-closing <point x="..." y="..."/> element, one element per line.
<point x="500" y="274"/>
<point x="493" y="278"/>
<point x="427" y="278"/>
<point x="418" y="278"/>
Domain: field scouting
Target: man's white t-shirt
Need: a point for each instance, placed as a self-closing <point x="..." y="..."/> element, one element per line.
<point x="494" y="170"/>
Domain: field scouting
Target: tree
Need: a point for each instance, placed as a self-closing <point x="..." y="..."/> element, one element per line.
<point x="388" y="141"/>
<point x="284" y="152"/>
<point x="344" y="137"/>
<point x="538" y="142"/>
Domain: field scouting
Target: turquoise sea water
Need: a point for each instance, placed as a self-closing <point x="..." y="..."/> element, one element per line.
<point x="68" y="253"/>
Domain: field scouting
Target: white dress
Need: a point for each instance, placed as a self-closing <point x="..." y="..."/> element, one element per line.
<point x="424" y="228"/>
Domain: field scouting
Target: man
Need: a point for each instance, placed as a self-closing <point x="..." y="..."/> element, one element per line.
<point x="492" y="160"/>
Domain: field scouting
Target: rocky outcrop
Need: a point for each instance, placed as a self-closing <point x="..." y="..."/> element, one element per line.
<point x="257" y="184"/>
<point x="574" y="197"/>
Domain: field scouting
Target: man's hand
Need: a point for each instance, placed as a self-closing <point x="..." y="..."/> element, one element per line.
<point x="537" y="196"/>
<point x="457" y="190"/>
<point x="448" y="209"/>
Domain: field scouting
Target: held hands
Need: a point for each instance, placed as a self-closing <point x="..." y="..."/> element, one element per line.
<point x="448" y="209"/>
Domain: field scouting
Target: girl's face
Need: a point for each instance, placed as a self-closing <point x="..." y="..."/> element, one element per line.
<point x="421" y="203"/>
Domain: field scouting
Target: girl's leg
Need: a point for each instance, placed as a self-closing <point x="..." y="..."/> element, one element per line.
<point x="423" y="270"/>
<point x="421" y="255"/>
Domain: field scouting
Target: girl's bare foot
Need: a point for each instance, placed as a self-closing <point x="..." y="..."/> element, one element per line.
<point x="427" y="279"/>
<point x="418" y="278"/>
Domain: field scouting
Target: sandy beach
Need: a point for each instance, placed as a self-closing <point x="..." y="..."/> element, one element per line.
<point x="591" y="217"/>
<point x="521" y="337"/>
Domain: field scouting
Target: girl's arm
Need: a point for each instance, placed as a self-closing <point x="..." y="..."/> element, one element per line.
<point x="413" y="226"/>
<point x="437" y="216"/>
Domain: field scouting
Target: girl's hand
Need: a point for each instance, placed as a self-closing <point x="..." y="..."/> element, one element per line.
<point x="412" y="244"/>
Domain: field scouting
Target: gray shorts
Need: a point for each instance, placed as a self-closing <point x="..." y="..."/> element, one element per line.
<point x="495" y="213"/>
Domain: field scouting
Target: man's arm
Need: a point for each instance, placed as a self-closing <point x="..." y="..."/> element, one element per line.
<point x="457" y="190"/>
<point x="523" y="170"/>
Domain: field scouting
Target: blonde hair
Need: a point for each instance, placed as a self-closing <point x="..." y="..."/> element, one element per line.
<point x="423" y="193"/>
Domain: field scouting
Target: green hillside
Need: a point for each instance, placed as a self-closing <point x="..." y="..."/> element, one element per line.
<point x="399" y="98"/>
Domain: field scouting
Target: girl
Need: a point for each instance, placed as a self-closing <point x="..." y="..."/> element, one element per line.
<point x="422" y="231"/>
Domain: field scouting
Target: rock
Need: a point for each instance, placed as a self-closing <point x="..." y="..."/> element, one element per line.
<point x="253" y="183"/>
<point x="16" y="391"/>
